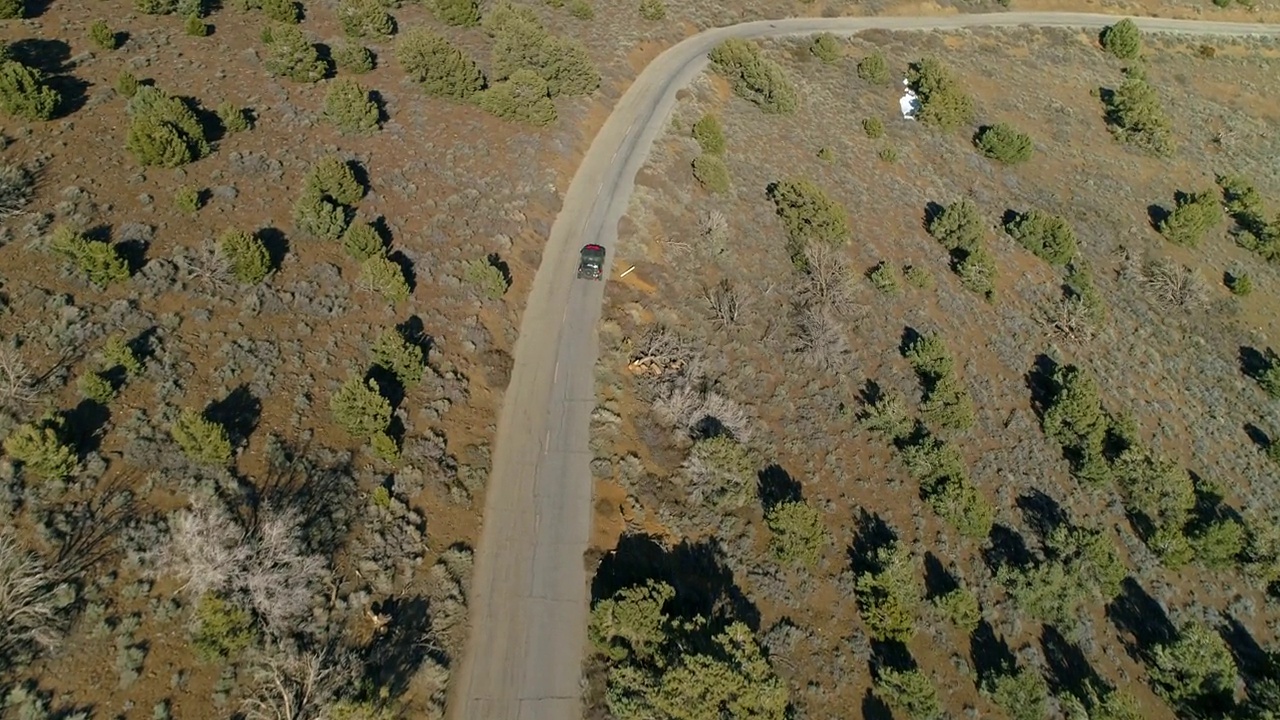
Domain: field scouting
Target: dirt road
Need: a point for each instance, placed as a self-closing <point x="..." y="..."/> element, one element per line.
<point x="529" y="596"/>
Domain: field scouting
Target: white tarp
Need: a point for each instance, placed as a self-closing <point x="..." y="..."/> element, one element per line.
<point x="909" y="103"/>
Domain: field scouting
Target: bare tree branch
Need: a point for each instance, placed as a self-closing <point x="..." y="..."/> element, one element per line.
<point x="828" y="280"/>
<point x="728" y="304"/>
<point x="819" y="339"/>
<point x="17" y="384"/>
<point x="1174" y="285"/>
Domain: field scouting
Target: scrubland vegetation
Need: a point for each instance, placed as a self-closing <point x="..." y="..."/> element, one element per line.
<point x="984" y="431"/>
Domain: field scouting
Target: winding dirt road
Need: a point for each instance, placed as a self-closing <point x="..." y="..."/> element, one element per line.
<point x="529" y="595"/>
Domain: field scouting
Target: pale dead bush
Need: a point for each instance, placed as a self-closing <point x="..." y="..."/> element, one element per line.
<point x="819" y="339"/>
<point x="1173" y="285"/>
<point x="291" y="684"/>
<point x="29" y="610"/>
<point x="1069" y="319"/>
<point x="828" y="279"/>
<point x="18" y="385"/>
<point x="268" y="568"/>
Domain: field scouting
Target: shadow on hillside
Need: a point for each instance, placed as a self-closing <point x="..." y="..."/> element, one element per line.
<point x="1251" y="659"/>
<point x="1139" y="619"/>
<point x="1041" y="512"/>
<point x="873" y="708"/>
<point x="1005" y="546"/>
<point x="698" y="573"/>
<point x="870" y="535"/>
<point x="1068" y="670"/>
<point x="989" y="653"/>
<point x="1254" y="362"/>
<point x="776" y="486"/>
<point x="1039" y="381"/>
<point x="938" y="581"/>
<point x="239" y="413"/>
<point x="393" y="658"/>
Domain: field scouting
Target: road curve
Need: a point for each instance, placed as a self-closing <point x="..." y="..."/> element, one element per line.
<point x="529" y="595"/>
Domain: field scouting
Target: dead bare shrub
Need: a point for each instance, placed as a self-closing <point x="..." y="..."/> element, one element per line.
<point x="691" y="409"/>
<point x="18" y="386"/>
<point x="1173" y="285"/>
<point x="266" y="569"/>
<point x="828" y="279"/>
<point x="714" y="231"/>
<point x="728" y="304"/>
<point x="819" y="339"/>
<point x="1070" y="319"/>
<point x="29" y="610"/>
<point x="16" y="187"/>
<point x="290" y="684"/>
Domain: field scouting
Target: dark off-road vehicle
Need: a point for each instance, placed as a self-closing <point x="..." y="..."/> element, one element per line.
<point x="591" y="265"/>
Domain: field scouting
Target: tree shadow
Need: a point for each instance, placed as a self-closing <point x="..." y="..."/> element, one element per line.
<point x="383" y="230"/>
<point x="1006" y="547"/>
<point x="1067" y="668"/>
<point x="1139" y="619"/>
<point x="873" y="708"/>
<point x="414" y="331"/>
<point x="321" y="492"/>
<point x="1254" y="363"/>
<point x="776" y="486"/>
<point x="94" y="522"/>
<point x="1040" y="382"/>
<point x="388" y="384"/>
<point x="361" y="174"/>
<point x="890" y="654"/>
<point x="1009" y="217"/>
<point x="909" y="336"/>
<point x="497" y="263"/>
<point x="133" y="251"/>
<point x="85" y="424"/>
<point x="239" y="413"/>
<point x="871" y="534"/>
<point x="324" y="51"/>
<point x="380" y="103"/>
<point x="703" y="583"/>
<point x="989" y="654"/>
<point x="1157" y="215"/>
<point x="932" y="212"/>
<point x="51" y="57"/>
<point x="1041" y="512"/>
<point x="1252" y="660"/>
<point x="276" y="243"/>
<point x="871" y="392"/>
<point x="395" y="656"/>
<point x="73" y="93"/>
<point x="406" y="267"/>
<point x="938" y="581"/>
<point x="210" y="124"/>
<point x="36" y="8"/>
<point x="1257" y="436"/>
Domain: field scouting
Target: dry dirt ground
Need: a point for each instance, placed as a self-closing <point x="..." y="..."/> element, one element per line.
<point x="1178" y="371"/>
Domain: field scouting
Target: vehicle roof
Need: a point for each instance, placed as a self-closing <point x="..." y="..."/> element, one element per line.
<point x="592" y="247"/>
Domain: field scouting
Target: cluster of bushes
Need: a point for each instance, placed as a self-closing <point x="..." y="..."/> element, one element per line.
<point x="291" y="54"/>
<point x="808" y="215"/>
<point x="329" y="193"/>
<point x="201" y="439"/>
<point x="1193" y="216"/>
<point x="660" y="665"/>
<point x="1136" y="115"/>
<point x="43" y="448"/>
<point x="1049" y="237"/>
<point x="1179" y="520"/>
<point x="350" y="107"/>
<point x="100" y="263"/>
<point x="932" y="462"/>
<point x="1245" y="206"/>
<point x="25" y="93"/>
<point x="943" y="103"/>
<point x="874" y="68"/>
<point x="1005" y="143"/>
<point x="486" y="275"/>
<point x="1079" y="563"/>
<point x="530" y="67"/>
<point x="362" y="408"/>
<point x="1123" y="39"/>
<point x="825" y="47"/>
<point x="797" y="534"/>
<point x="288" y="12"/>
<point x="653" y="10"/>
<point x="164" y="130"/>
<point x="709" y="167"/>
<point x="754" y="77"/>
<point x="946" y="402"/>
<point x="959" y="227"/>
<point x="889" y="594"/>
<point x="246" y="256"/>
<point x="364" y="18"/>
